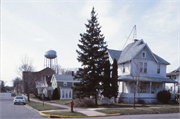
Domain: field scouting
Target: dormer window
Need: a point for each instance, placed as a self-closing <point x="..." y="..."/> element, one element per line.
<point x="143" y="54"/>
<point x="65" y="84"/>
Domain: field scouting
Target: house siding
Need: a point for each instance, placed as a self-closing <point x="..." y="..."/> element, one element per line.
<point x="60" y="84"/>
<point x="127" y="69"/>
<point x="69" y="84"/>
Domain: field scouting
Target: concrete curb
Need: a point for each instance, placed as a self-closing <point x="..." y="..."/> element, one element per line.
<point x="58" y="116"/>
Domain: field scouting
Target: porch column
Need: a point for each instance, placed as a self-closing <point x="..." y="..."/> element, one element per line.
<point x="163" y="86"/>
<point x="174" y="89"/>
<point x="61" y="94"/>
<point x="122" y="86"/>
<point x="150" y="87"/>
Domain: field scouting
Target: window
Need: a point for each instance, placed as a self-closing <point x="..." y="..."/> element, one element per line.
<point x="65" y="84"/>
<point x="145" y="67"/>
<point x="141" y="66"/>
<point x="62" y="93"/>
<point x="158" y="68"/>
<point x="143" y="87"/>
<point x="144" y="54"/>
<point x="69" y="93"/>
<point x="66" y="93"/>
<point x="123" y="68"/>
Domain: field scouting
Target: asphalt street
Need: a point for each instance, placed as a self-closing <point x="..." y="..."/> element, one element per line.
<point x="9" y="110"/>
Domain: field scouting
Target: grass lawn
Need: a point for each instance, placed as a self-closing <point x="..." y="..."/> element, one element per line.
<point x="39" y="106"/>
<point x="65" y="113"/>
<point x="62" y="102"/>
<point x="119" y="105"/>
<point x="140" y="111"/>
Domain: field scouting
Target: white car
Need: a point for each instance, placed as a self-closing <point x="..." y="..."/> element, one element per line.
<point x="19" y="100"/>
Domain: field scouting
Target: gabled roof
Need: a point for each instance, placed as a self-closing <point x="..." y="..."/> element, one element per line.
<point x="115" y="54"/>
<point x="175" y="72"/>
<point x="64" y="78"/>
<point x="131" y="51"/>
<point x="161" y="60"/>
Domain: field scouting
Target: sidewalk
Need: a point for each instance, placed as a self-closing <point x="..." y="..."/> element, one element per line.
<point x="88" y="112"/>
<point x="91" y="112"/>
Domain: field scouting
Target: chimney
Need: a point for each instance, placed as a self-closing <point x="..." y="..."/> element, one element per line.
<point x="72" y="73"/>
<point x="135" y="40"/>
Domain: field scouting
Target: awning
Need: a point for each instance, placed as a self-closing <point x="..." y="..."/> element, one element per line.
<point x="147" y="79"/>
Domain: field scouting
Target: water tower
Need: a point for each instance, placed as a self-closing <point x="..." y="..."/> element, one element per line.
<point x="50" y="58"/>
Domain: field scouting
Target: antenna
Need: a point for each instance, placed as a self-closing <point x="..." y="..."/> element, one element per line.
<point x="134" y="35"/>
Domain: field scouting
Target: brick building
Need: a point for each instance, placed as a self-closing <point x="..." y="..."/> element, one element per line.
<point x="36" y="82"/>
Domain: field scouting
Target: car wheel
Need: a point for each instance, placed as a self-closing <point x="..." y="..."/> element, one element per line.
<point x="14" y="103"/>
<point x="24" y="103"/>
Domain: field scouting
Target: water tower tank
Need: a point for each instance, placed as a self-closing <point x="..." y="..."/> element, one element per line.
<point x="50" y="54"/>
<point x="50" y="58"/>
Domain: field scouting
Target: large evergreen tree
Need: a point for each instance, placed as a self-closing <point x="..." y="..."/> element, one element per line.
<point x="114" y="79"/>
<point x="92" y="55"/>
<point x="106" y="82"/>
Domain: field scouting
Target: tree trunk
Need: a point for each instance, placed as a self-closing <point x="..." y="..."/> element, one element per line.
<point x="95" y="99"/>
<point x="134" y="94"/>
<point x="28" y="96"/>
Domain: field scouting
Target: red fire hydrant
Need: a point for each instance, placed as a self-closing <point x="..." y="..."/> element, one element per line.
<point x="71" y="105"/>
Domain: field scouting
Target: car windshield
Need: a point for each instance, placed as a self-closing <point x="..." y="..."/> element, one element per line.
<point x="19" y="97"/>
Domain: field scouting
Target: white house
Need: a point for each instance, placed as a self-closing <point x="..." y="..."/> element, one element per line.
<point x="64" y="83"/>
<point x="137" y="61"/>
<point x="175" y="75"/>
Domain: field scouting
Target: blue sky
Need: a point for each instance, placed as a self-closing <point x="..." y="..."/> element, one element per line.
<point x="31" y="27"/>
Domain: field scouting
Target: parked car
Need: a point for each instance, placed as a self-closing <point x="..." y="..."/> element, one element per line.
<point x="13" y="94"/>
<point x="19" y="100"/>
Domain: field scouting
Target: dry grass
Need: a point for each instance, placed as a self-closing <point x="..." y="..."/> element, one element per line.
<point x="140" y="111"/>
<point x="39" y="106"/>
<point x="65" y="113"/>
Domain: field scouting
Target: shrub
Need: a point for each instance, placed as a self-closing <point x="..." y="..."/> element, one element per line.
<point x="164" y="96"/>
<point x="141" y="102"/>
<point x="84" y="103"/>
<point x="55" y="95"/>
<point x="120" y="101"/>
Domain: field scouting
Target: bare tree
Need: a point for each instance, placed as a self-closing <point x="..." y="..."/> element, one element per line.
<point x="139" y="67"/>
<point x="57" y="69"/>
<point x="17" y="84"/>
<point x="25" y="70"/>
